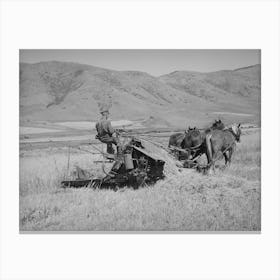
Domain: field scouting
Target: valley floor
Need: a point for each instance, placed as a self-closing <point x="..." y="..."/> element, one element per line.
<point x="229" y="200"/>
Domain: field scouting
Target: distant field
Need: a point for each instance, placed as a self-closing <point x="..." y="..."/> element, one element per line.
<point x="35" y="130"/>
<point x="227" y="200"/>
<point x="231" y="113"/>
<point x="91" y="125"/>
<point x="57" y="139"/>
<point x="47" y="127"/>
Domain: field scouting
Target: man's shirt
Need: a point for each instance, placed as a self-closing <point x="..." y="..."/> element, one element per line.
<point x="104" y="128"/>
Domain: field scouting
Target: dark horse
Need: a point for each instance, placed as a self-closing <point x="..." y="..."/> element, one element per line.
<point x="218" y="124"/>
<point x="177" y="138"/>
<point x="194" y="141"/>
<point x="223" y="141"/>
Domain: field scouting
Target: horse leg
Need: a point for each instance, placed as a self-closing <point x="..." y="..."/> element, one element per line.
<point x="213" y="161"/>
<point x="226" y="158"/>
<point x="230" y="152"/>
<point x="209" y="154"/>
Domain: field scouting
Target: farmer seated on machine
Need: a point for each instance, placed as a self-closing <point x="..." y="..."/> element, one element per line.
<point x="106" y="133"/>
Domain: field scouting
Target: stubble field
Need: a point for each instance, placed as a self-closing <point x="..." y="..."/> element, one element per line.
<point x="230" y="199"/>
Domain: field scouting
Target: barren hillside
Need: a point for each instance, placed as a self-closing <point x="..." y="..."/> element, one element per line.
<point x="62" y="91"/>
<point x="222" y="87"/>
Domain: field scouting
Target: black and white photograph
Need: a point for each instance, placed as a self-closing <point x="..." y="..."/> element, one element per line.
<point x="140" y="140"/>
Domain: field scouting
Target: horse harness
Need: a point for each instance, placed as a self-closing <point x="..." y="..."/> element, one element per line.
<point x="222" y="152"/>
<point x="233" y="133"/>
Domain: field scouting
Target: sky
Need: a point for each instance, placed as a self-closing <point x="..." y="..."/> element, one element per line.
<point x="154" y="62"/>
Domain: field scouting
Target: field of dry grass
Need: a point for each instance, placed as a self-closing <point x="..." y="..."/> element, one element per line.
<point x="228" y="200"/>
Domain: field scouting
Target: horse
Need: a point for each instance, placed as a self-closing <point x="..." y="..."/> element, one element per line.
<point x="218" y="124"/>
<point x="177" y="138"/>
<point x="223" y="141"/>
<point x="194" y="140"/>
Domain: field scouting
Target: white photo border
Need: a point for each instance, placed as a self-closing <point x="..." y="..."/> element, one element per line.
<point x="139" y="25"/>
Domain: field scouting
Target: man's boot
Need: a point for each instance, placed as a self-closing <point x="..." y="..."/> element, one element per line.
<point x="119" y="149"/>
<point x="110" y="149"/>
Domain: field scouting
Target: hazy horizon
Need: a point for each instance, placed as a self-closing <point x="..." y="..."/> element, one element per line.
<point x="154" y="62"/>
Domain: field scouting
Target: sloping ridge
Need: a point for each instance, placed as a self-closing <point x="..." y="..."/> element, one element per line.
<point x="216" y="86"/>
<point x="70" y="91"/>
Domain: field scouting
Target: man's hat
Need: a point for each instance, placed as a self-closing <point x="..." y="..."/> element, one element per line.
<point x="103" y="109"/>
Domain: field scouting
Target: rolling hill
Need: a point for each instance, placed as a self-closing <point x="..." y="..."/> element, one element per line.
<point x="63" y="91"/>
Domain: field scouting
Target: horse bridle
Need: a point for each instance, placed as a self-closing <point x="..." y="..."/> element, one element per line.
<point x="236" y="136"/>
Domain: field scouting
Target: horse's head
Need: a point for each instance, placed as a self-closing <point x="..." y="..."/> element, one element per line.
<point x="236" y="131"/>
<point x="193" y="132"/>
